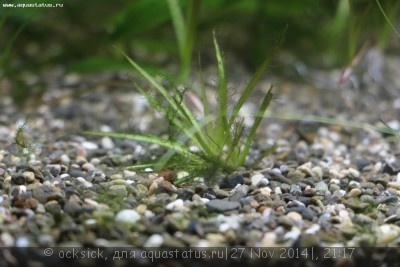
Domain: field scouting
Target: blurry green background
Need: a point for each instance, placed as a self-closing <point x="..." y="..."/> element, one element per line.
<point x="80" y="36"/>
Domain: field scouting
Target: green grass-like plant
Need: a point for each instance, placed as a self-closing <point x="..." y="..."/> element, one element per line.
<point x="219" y="135"/>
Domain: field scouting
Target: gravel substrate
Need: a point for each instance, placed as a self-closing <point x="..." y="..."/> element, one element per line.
<point x="326" y="186"/>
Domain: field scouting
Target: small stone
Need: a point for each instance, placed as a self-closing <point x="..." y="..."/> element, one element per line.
<point x="355" y="204"/>
<point x="89" y="145"/>
<point x="129" y="174"/>
<point x="141" y="189"/>
<point x="32" y="203"/>
<point x="294" y="216"/>
<point x="355" y="192"/>
<point x="309" y="192"/>
<point x="72" y="208"/>
<point x="321" y="186"/>
<point x="17" y="179"/>
<point x="167" y="187"/>
<point x="29" y="176"/>
<point x="239" y="193"/>
<point x="141" y="209"/>
<point x="88" y="167"/>
<point x="313" y="229"/>
<point x="107" y="143"/>
<point x="53" y="207"/>
<point x="176" y="205"/>
<point x="317" y="171"/>
<point x="127" y="216"/>
<point x="386" y="234"/>
<point x="394" y="185"/>
<point x="116" y="176"/>
<point x="168" y="175"/>
<point x="6" y="239"/>
<point x="266" y="191"/>
<point x="153" y="188"/>
<point x="361" y="163"/>
<point x="387" y="199"/>
<point x="118" y="191"/>
<point x="256" y="179"/>
<point x="222" y="205"/>
<point x="295" y="176"/>
<point x="354" y="173"/>
<point x="216" y="239"/>
<point x="269" y="240"/>
<point x="231" y="181"/>
<point x="305" y="168"/>
<point x="84" y="182"/>
<point x="154" y="241"/>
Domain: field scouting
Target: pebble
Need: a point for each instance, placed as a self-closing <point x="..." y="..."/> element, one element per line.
<point x="317" y="171"/>
<point x="84" y="182"/>
<point x="256" y="179"/>
<point x="231" y="181"/>
<point x="127" y="216"/>
<point x="222" y="205"/>
<point x="321" y="186"/>
<point x="29" y="176"/>
<point x="177" y="205"/>
<point x="89" y="145"/>
<point x="117" y="191"/>
<point x="239" y="193"/>
<point x="106" y="143"/>
<point x="153" y="188"/>
<point x="386" y="233"/>
<point x="355" y="192"/>
<point x="154" y="241"/>
<point x="395" y="185"/>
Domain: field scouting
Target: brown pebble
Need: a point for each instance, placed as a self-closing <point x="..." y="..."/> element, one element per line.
<point x="32" y="203"/>
<point x="168" y="175"/>
<point x="309" y="192"/>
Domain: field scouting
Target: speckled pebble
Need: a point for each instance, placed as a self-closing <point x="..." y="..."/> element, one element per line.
<point x="118" y="191"/>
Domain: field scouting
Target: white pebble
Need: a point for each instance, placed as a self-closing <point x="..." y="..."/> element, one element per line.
<point x="127" y="216"/>
<point x="107" y="143"/>
<point x="266" y="191"/>
<point x="223" y="227"/>
<point x="90" y="222"/>
<point x="84" y="182"/>
<point x="313" y="229"/>
<point x="154" y="241"/>
<point x="89" y="145"/>
<point x="292" y="234"/>
<point x="22" y="242"/>
<point x="256" y="179"/>
<point x="176" y="205"/>
<point x="354" y="173"/>
<point x="334" y="181"/>
<point x="7" y="240"/>
<point x="278" y="190"/>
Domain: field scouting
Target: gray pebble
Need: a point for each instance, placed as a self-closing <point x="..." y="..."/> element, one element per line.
<point x="222" y="205"/>
<point x="239" y="193"/>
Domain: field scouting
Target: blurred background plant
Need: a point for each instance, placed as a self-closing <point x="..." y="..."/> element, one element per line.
<point x="162" y="35"/>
